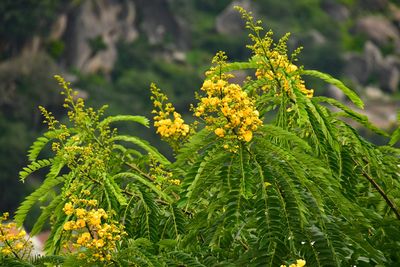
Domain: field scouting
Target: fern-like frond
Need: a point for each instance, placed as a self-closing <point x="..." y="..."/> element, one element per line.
<point x="37" y="147"/>
<point x="239" y="66"/>
<point x="49" y="260"/>
<point x="145" y="182"/>
<point x="181" y="258"/>
<point x="329" y="79"/>
<point x="138" y="252"/>
<point x="34" y="166"/>
<point x="395" y="137"/>
<point x="13" y="262"/>
<point x="144" y="145"/>
<point x="45" y="215"/>
<point x="115" y="191"/>
<point x="139" y="119"/>
<point x="360" y="118"/>
<point x="31" y="200"/>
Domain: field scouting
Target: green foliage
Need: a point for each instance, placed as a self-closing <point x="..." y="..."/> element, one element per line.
<point x="22" y="20"/>
<point x="305" y="185"/>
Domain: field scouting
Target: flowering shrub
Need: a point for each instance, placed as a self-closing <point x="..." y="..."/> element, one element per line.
<point x="267" y="172"/>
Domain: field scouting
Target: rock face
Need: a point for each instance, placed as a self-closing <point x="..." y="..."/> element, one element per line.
<point x="374" y="5"/>
<point x="229" y="22"/>
<point x="337" y="11"/>
<point x="380" y="30"/>
<point x="160" y="25"/>
<point x="93" y="31"/>
<point x="372" y="67"/>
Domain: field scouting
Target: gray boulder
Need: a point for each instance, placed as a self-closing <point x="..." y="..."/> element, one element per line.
<point x="230" y="22"/>
<point x="93" y="32"/>
<point x="378" y="29"/>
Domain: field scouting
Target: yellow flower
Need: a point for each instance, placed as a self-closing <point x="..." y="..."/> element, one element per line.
<point x="175" y="181"/>
<point x="92" y="202"/>
<point x="69" y="225"/>
<point x="301" y="263"/>
<point x="171" y="129"/>
<point x="80" y="213"/>
<point x="229" y="107"/>
<point x="19" y="246"/>
<point x="99" y="243"/>
<point x="84" y="238"/>
<point x="80" y="223"/>
<point x="95" y="219"/>
<point x="22" y="233"/>
<point x="247" y="136"/>
<point x="6" y="251"/>
<point x="219" y="132"/>
<point x="68" y="208"/>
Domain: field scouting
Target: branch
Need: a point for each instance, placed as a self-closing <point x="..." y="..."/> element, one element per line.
<point x="390" y="203"/>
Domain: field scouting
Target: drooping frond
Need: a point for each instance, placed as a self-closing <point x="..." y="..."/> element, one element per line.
<point x="39" y="193"/>
<point x="139" y="119"/>
<point x="47" y="212"/>
<point x="239" y="66"/>
<point x="329" y="79"/>
<point x="37" y="147"/>
<point x="54" y="260"/>
<point x="145" y="182"/>
<point x="360" y="118"/>
<point x="34" y="166"/>
<point x="144" y="145"/>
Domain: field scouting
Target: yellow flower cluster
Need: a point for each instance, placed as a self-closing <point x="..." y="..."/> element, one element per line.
<point x="168" y="122"/>
<point x="160" y="175"/>
<point x="299" y="263"/>
<point x="92" y="231"/>
<point x="280" y="69"/>
<point x="228" y="110"/>
<point x="13" y="240"/>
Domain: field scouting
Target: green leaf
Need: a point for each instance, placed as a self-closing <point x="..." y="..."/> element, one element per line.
<point x="395" y="137"/>
<point x="30" y="200"/>
<point x="145" y="182"/>
<point x="37" y="147"/>
<point x="143" y="144"/>
<point x="34" y="166"/>
<point x="329" y="79"/>
<point x="360" y="118"/>
<point x="139" y="119"/>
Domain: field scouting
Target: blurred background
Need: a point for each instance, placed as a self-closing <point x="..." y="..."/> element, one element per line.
<point x="112" y="49"/>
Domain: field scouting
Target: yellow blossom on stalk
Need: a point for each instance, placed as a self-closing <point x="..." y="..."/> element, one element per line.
<point x="280" y="69"/>
<point x="68" y="208"/>
<point x="227" y="110"/>
<point x="83" y="239"/>
<point x="220" y="132"/>
<point x="93" y="231"/>
<point x="175" y="181"/>
<point x="80" y="213"/>
<point x="168" y="123"/>
<point x="160" y="175"/>
<point x="13" y="240"/>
